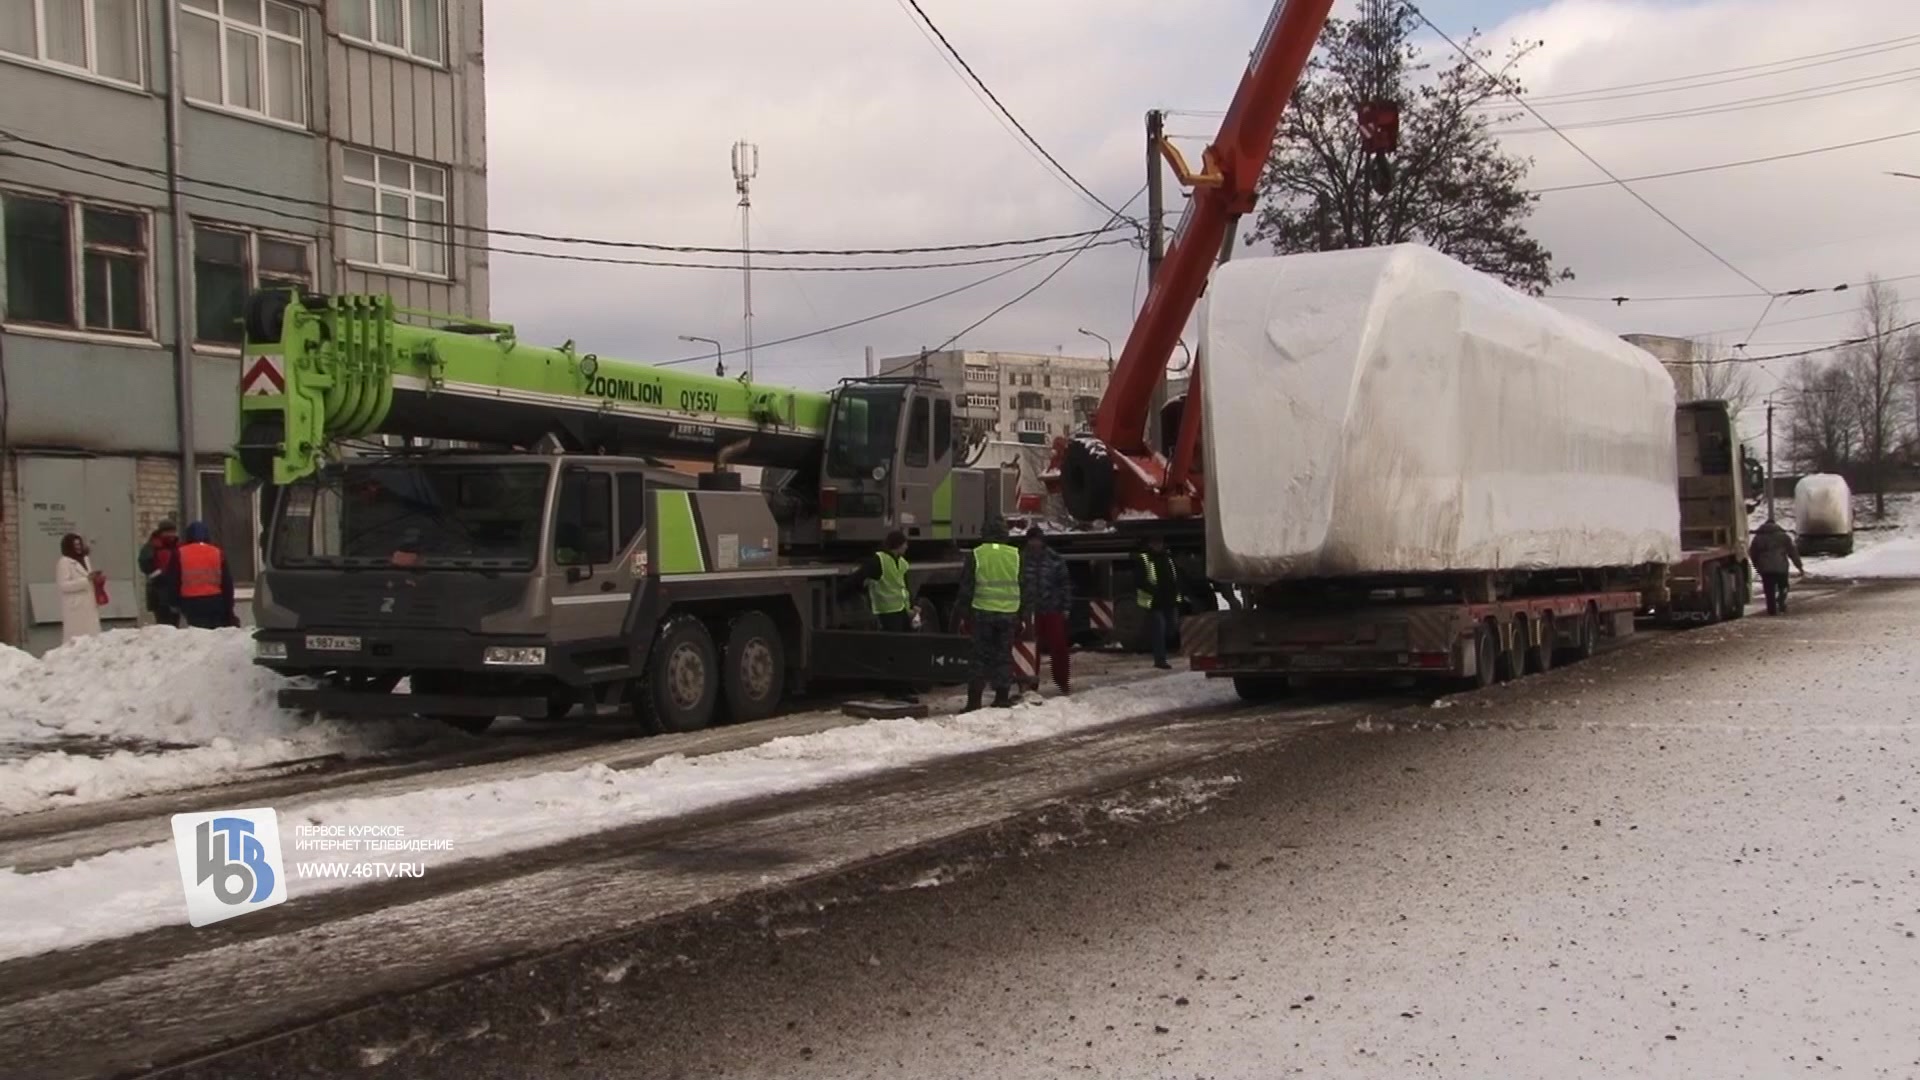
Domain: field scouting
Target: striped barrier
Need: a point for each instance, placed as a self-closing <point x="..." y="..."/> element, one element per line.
<point x="1026" y="663"/>
<point x="1100" y="614"/>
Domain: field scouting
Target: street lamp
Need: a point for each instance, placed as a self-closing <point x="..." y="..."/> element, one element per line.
<point x="719" y="365"/>
<point x="1108" y="344"/>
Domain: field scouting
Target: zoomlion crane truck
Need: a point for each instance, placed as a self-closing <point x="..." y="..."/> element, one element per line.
<point x="561" y="562"/>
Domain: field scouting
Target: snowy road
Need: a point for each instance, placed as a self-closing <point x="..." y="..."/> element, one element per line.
<point x="1365" y="808"/>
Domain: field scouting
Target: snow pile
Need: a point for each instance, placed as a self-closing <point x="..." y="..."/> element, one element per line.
<point x="1389" y="410"/>
<point x="1897" y="558"/>
<point x="156" y="709"/>
<point x="156" y="685"/>
<point x="126" y="892"/>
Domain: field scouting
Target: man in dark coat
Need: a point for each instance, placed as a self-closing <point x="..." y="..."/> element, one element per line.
<point x="1046" y="590"/>
<point x="155" y="556"/>
<point x="1772" y="551"/>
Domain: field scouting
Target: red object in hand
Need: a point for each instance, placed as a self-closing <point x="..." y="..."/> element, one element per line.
<point x="99" y="589"/>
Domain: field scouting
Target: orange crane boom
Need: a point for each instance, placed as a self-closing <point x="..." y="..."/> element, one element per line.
<point x="1113" y="471"/>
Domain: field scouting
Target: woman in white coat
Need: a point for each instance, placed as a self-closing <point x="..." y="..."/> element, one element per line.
<point x="79" y="609"/>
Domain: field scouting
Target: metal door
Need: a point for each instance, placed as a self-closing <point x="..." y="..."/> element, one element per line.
<point x="89" y="496"/>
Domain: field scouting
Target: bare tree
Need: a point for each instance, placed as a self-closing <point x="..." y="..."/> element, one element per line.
<point x="1719" y="377"/>
<point x="1875" y="368"/>
<point x="1821" y="424"/>
<point x="1454" y="186"/>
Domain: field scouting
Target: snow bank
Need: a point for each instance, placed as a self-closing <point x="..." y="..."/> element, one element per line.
<point x="137" y="889"/>
<point x="1897" y="558"/>
<point x="1389" y="410"/>
<point x="156" y="709"/>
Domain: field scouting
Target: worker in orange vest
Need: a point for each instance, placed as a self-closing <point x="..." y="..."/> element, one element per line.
<point x="200" y="582"/>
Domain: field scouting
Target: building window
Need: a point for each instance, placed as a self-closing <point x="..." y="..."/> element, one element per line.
<point x="414" y="27"/>
<point x="43" y="275"/>
<point x="982" y="375"/>
<point x="983" y="401"/>
<point x="249" y="55"/>
<point x="400" y="213"/>
<point x="100" y="37"/>
<point x="1031" y="427"/>
<point x="229" y="263"/>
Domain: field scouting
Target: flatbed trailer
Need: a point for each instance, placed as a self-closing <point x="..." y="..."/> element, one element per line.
<point x="1479" y="628"/>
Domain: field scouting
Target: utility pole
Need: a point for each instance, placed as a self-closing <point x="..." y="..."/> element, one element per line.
<point x="746" y="166"/>
<point x="1769" y="457"/>
<point x="1156" y="253"/>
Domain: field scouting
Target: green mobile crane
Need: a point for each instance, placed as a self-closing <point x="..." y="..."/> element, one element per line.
<point x="559" y="562"/>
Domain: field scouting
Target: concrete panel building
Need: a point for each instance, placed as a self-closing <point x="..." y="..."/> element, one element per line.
<point x="161" y="159"/>
<point x="1015" y="397"/>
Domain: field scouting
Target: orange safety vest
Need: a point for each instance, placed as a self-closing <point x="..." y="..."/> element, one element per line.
<point x="199" y="571"/>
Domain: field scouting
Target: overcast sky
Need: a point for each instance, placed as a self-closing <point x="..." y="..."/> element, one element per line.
<point x="613" y="119"/>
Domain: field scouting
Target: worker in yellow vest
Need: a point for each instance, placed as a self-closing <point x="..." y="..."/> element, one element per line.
<point x="884" y="576"/>
<point x="990" y="595"/>
<point x="1157" y="590"/>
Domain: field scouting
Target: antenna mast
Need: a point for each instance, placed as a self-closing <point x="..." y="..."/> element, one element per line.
<point x="746" y="166"/>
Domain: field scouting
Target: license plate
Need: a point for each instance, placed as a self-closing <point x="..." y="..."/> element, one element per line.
<point x="1315" y="660"/>
<point x="331" y="643"/>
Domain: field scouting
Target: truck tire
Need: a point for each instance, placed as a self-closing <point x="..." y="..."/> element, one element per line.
<point x="1486" y="657"/>
<point x="1513" y="658"/>
<point x="472" y="725"/>
<point x="1258" y="689"/>
<point x="1540" y="657"/>
<point x="1716" y="586"/>
<point x="1588" y="640"/>
<point x="681" y="689"/>
<point x="929" y="613"/>
<point x="754" y="667"/>
<point x="1736" y="593"/>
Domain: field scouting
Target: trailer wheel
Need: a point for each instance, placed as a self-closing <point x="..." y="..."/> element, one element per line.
<point x="1486" y="654"/>
<point x="754" y="667"/>
<point x="1736" y="593"/>
<point x="929" y="613"/>
<point x="1588" y="641"/>
<point x="682" y="683"/>
<point x="1258" y="689"/>
<point x="1513" y="658"/>
<point x="1716" y="596"/>
<point x="1540" y="657"/>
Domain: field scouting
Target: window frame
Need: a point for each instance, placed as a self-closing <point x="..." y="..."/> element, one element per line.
<point x="254" y="280"/>
<point x="404" y="50"/>
<point x="303" y="80"/>
<point x="77" y="248"/>
<point x="380" y="188"/>
<point x="90" y="70"/>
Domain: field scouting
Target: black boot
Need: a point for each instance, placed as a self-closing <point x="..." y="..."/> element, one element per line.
<point x="975" y="691"/>
<point x="1002" y="698"/>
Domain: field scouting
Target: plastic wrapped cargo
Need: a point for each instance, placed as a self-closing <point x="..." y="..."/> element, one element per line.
<point x="1823" y="513"/>
<point x="1390" y="411"/>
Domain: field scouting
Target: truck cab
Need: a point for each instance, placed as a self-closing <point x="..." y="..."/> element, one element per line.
<point x="890" y="462"/>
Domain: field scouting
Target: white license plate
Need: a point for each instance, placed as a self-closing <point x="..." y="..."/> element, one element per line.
<point x="330" y="643"/>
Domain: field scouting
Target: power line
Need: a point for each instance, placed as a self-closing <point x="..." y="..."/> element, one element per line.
<point x="1848" y="343"/>
<point x="1849" y="86"/>
<point x="1730" y="164"/>
<point x="1595" y="162"/>
<point x="686" y="249"/>
<point x="947" y="46"/>
<point x="1787" y="294"/>
<point x="1780" y="67"/>
<point x="1090" y="240"/>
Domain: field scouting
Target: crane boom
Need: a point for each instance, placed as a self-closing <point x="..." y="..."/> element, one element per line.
<point x="1113" y="471"/>
<point x="319" y="369"/>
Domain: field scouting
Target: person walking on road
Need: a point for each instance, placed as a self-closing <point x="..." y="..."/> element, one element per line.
<point x="1772" y="551"/>
<point x="1157" y="591"/>
<point x="155" y="556"/>
<point x="80" y="586"/>
<point x="990" y="595"/>
<point x="1046" y="589"/>
<point x="201" y="581"/>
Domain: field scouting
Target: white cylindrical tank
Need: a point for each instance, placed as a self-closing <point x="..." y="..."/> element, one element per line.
<point x="1823" y="513"/>
<point x="1391" y="411"/>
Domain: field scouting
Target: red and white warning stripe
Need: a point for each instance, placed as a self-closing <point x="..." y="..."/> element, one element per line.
<point x="263" y="376"/>
<point x="1100" y="613"/>
<point x="1026" y="662"/>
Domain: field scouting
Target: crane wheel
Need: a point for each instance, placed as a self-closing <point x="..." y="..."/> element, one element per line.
<point x="754" y="667"/>
<point x="1086" y="479"/>
<point x="681" y="689"/>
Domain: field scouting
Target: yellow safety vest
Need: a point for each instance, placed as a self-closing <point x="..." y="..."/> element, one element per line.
<point x="996" y="579"/>
<point x="887" y="594"/>
<point x="1149" y="581"/>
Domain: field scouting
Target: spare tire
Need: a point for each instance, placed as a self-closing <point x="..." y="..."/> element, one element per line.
<point x="1086" y="479"/>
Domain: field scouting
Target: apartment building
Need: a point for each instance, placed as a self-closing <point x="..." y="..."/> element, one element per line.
<point x="161" y="159"/>
<point x="1015" y="397"/>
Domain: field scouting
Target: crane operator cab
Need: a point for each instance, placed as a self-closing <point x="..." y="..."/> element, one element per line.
<point x="891" y="462"/>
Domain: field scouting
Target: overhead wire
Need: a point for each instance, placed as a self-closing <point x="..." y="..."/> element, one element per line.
<point x="1595" y="162"/>
<point x="1844" y="344"/>
<point x="948" y="48"/>
<point x="7" y="137"/>
<point x="1850" y="86"/>
<point x="1728" y="164"/>
<point x="1093" y="239"/>
<point x="1679" y="83"/>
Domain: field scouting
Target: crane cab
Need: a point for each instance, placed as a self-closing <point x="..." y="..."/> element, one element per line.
<point x="890" y="462"/>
